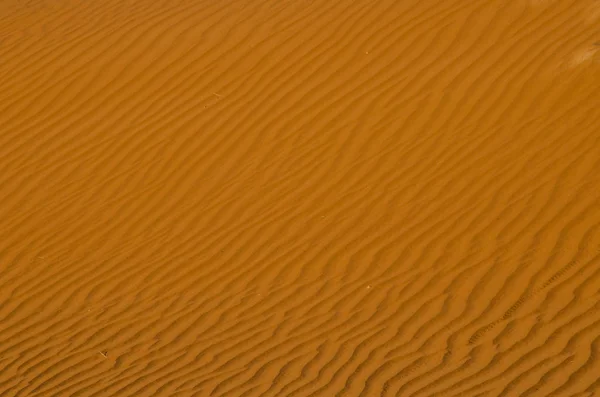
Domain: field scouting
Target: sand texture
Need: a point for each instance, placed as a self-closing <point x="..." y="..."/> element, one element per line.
<point x="252" y="198"/>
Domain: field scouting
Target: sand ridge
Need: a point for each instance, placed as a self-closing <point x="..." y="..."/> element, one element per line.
<point x="299" y="198"/>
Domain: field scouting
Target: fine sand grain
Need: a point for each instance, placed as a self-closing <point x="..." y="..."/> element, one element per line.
<point x="300" y="198"/>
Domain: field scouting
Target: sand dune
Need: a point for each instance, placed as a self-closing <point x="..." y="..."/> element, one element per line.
<point x="299" y="198"/>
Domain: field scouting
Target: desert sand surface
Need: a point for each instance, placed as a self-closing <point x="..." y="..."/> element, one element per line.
<point x="300" y="198"/>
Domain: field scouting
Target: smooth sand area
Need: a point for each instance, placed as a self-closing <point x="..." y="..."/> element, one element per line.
<point x="252" y="198"/>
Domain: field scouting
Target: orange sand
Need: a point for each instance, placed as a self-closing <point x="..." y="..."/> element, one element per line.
<point x="300" y="198"/>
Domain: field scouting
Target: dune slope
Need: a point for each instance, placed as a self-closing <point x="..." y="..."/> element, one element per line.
<point x="300" y="198"/>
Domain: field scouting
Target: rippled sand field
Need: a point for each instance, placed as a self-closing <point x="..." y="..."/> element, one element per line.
<point x="300" y="198"/>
